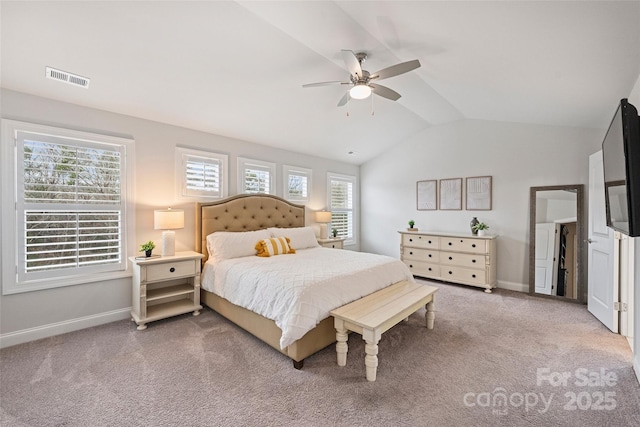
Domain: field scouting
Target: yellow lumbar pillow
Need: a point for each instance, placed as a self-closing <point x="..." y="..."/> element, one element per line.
<point x="274" y="246"/>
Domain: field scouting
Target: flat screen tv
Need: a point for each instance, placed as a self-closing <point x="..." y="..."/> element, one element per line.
<point x="621" y="154"/>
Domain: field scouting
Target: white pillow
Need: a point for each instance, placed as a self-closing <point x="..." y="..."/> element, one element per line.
<point x="301" y="237"/>
<point x="228" y="244"/>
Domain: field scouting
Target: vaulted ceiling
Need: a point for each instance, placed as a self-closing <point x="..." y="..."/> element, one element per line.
<point x="237" y="68"/>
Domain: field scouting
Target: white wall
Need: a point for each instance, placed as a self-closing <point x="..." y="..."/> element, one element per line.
<point x="517" y="156"/>
<point x="42" y="313"/>
<point x="634" y="98"/>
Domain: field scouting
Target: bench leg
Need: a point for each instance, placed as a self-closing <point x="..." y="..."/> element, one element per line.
<point x="341" y="346"/>
<point x="371" y="359"/>
<point x="430" y="316"/>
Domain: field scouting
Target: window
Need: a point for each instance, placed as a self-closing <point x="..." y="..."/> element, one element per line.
<point x="297" y="183"/>
<point x="201" y="174"/>
<point x="71" y="216"/>
<point x="256" y="176"/>
<point x="341" y="203"/>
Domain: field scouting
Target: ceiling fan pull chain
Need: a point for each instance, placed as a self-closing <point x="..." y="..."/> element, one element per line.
<point x="348" y="99"/>
<point x="372" y="110"/>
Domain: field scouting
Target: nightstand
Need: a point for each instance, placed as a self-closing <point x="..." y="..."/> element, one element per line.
<point x="335" y="243"/>
<point x="165" y="286"/>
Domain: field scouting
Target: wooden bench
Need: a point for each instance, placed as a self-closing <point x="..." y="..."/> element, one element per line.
<point x="378" y="312"/>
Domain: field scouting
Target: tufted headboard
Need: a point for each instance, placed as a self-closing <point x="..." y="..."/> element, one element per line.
<point x="244" y="212"/>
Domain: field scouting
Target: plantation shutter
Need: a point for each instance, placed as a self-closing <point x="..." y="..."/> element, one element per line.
<point x="341" y="195"/>
<point x="202" y="176"/>
<point x="298" y="185"/>
<point x="257" y="179"/>
<point x="70" y="206"/>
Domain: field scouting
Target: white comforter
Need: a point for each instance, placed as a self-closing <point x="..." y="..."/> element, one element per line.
<point x="299" y="290"/>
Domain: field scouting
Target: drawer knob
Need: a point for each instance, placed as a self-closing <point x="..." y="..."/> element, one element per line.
<point x="410" y="253"/>
<point x="473" y="275"/>
<point x="429" y="268"/>
<point x="450" y="272"/>
<point x="410" y="265"/>
<point x="450" y="243"/>
<point x="429" y="255"/>
<point x="172" y="269"/>
<point x="450" y="258"/>
<point x="429" y="241"/>
<point x="473" y="246"/>
<point x="411" y="240"/>
<point x="473" y="260"/>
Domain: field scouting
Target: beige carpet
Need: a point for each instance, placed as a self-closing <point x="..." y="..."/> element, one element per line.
<point x="204" y="371"/>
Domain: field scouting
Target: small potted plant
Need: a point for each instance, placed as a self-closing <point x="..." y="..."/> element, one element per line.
<point x="147" y="248"/>
<point x="481" y="228"/>
<point x="411" y="224"/>
<point x="334" y="232"/>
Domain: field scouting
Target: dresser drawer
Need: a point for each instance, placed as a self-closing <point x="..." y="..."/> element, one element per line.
<point x="170" y="270"/>
<point x="465" y="275"/>
<point x="478" y="246"/>
<point x="421" y="254"/>
<point x="421" y="241"/>
<point x="425" y="269"/>
<point x="463" y="260"/>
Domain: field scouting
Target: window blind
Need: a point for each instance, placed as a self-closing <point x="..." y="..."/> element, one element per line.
<point x="341" y="195"/>
<point x="297" y="188"/>
<point x="202" y="176"/>
<point x="256" y="179"/>
<point x="70" y="205"/>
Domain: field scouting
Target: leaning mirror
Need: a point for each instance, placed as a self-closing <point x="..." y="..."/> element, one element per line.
<point x="555" y="248"/>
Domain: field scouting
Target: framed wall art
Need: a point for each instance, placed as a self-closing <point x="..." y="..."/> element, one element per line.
<point x="427" y="195"/>
<point x="478" y="193"/>
<point x="451" y="194"/>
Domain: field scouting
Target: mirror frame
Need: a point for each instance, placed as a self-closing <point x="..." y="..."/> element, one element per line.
<point x="582" y="288"/>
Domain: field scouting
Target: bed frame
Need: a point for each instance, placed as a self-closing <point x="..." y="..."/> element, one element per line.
<point x="249" y="212"/>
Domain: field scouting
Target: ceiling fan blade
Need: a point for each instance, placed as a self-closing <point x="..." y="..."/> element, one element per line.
<point x="385" y="92"/>
<point x="344" y="99"/>
<point x="395" y="70"/>
<point x="351" y="62"/>
<point x="324" y="84"/>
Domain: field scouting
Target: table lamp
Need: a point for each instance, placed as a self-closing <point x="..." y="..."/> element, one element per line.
<point x="168" y="220"/>
<point x="323" y="218"/>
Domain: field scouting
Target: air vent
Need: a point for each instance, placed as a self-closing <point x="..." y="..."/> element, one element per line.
<point x="63" y="76"/>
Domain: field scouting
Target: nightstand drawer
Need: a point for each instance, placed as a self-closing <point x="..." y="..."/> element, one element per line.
<point x="421" y="254"/>
<point x="170" y="270"/>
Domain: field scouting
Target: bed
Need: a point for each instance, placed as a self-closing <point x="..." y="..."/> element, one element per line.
<point x="256" y="213"/>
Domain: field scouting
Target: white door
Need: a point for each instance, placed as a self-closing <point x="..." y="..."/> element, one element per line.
<point x="545" y="257"/>
<point x="603" y="283"/>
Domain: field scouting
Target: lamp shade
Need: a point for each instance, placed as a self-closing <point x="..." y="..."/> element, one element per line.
<point x="168" y="219"/>
<point x="323" y="216"/>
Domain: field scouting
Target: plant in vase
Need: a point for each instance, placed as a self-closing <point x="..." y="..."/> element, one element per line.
<point x="481" y="228"/>
<point x="411" y="224"/>
<point x="147" y="248"/>
<point x="334" y="232"/>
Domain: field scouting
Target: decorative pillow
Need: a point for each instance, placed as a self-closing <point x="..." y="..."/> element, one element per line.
<point x="274" y="246"/>
<point x="228" y="244"/>
<point x="301" y="237"/>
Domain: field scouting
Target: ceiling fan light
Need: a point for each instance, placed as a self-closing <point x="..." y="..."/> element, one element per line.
<point x="360" y="91"/>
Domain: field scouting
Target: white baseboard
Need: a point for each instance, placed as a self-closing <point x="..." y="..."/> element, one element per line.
<point x="513" y="286"/>
<point x="50" y="330"/>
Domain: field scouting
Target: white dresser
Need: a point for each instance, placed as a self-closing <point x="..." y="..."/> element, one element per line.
<point x="451" y="257"/>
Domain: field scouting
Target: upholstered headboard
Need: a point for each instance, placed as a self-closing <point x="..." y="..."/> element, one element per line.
<point x="244" y="212"/>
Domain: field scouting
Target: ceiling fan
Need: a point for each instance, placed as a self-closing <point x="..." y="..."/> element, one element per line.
<point x="360" y="80"/>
